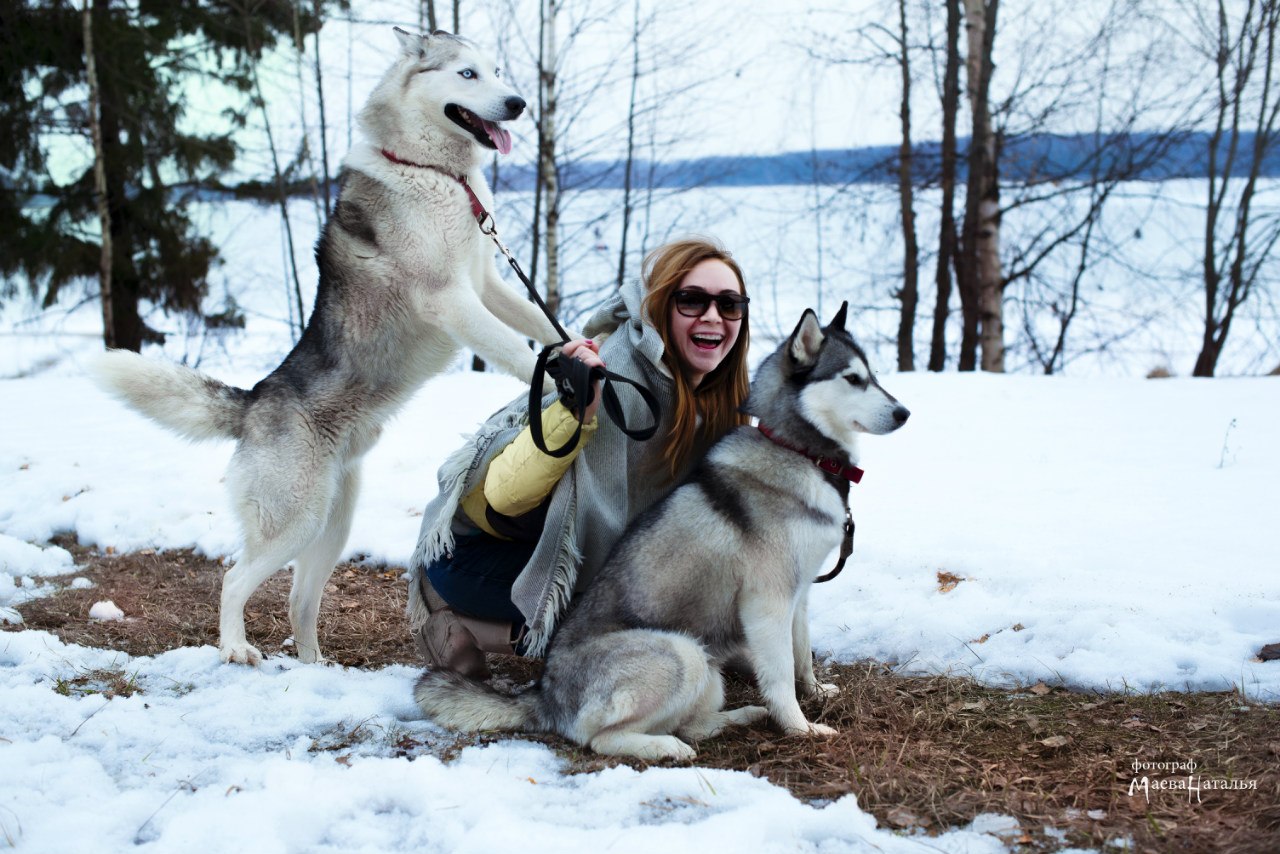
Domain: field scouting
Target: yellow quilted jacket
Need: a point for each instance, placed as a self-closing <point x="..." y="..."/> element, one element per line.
<point x="521" y="476"/>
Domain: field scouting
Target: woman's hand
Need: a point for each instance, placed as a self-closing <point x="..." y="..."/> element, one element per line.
<point x="586" y="351"/>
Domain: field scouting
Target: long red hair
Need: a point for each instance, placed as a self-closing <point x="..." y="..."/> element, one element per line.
<point x="721" y="392"/>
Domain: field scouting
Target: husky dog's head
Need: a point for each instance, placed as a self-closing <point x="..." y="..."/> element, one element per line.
<point x="818" y="391"/>
<point x="442" y="98"/>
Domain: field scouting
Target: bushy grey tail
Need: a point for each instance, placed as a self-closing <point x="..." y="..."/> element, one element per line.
<point x="454" y="701"/>
<point x="182" y="399"/>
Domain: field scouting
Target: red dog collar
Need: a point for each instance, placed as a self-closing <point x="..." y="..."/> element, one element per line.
<point x="852" y="474"/>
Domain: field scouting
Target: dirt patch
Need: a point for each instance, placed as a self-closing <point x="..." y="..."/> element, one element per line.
<point x="170" y="599"/>
<point x="921" y="754"/>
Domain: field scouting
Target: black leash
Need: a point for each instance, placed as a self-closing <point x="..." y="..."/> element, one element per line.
<point x="574" y="380"/>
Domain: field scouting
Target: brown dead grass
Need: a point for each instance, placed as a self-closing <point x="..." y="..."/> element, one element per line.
<point x="921" y="753"/>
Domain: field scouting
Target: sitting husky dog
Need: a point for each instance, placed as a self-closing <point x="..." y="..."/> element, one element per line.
<point x="719" y="570"/>
<point x="406" y="279"/>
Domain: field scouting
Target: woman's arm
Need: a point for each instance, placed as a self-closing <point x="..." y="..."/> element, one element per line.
<point x="521" y="477"/>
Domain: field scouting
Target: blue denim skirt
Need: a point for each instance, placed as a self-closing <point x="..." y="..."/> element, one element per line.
<point x="475" y="578"/>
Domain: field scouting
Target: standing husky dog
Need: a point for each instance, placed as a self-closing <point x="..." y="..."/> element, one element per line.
<point x="718" y="570"/>
<point x="406" y="278"/>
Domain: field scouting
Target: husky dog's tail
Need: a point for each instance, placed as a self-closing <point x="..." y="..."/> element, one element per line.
<point x="454" y="701"/>
<point x="182" y="399"/>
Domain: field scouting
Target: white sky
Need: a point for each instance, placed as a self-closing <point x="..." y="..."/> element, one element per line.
<point x="760" y="88"/>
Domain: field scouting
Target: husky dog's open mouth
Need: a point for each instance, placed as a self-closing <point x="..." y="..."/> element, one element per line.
<point x="487" y="133"/>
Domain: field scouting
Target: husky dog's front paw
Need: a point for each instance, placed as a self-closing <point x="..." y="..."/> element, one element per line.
<point x="240" y="653"/>
<point x="822" y="729"/>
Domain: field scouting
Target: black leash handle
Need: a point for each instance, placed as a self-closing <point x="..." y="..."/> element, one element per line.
<point x="846" y="548"/>
<point x="576" y="382"/>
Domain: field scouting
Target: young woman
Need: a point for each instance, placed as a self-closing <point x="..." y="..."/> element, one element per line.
<point x="514" y="532"/>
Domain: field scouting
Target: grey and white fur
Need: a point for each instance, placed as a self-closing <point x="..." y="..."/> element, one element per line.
<point x="718" y="571"/>
<point x="406" y="280"/>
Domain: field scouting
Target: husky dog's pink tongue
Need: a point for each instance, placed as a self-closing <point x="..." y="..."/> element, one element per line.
<point x="499" y="137"/>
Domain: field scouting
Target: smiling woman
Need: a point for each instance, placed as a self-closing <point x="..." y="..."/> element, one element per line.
<point x="705" y="352"/>
<point x="515" y="532"/>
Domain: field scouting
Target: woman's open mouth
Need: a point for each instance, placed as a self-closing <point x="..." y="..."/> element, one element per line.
<point x="707" y="342"/>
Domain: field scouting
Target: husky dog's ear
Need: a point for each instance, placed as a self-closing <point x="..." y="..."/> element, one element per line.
<point x="410" y="43"/>
<point x="806" y="341"/>
<point x="837" y="322"/>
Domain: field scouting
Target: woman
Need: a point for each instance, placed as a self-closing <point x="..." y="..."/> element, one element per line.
<point x="514" y="532"/>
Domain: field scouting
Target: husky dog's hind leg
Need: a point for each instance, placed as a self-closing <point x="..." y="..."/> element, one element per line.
<point x="631" y="690"/>
<point x="315" y="564"/>
<point x="284" y="493"/>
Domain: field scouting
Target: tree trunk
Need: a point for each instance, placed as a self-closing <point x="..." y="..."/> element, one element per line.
<point x="427" y="16"/>
<point x="294" y="299"/>
<point x="547" y="157"/>
<point x="300" y="46"/>
<point x="910" y="293"/>
<point x="1232" y="267"/>
<point x="947" y="230"/>
<point x="982" y="281"/>
<point x="324" y="124"/>
<point x="631" y="145"/>
<point x="126" y="285"/>
<point x="99" y="182"/>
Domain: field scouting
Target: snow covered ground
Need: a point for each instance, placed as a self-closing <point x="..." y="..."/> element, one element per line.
<point x="1126" y="526"/>
<point x="1098" y="532"/>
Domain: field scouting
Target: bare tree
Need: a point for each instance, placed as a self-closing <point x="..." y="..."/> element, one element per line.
<point x="629" y="163"/>
<point x="947" y="238"/>
<point x="548" y="173"/>
<point x="297" y="309"/>
<point x="304" y="144"/>
<point x="981" y="285"/>
<point x="99" y="179"/>
<point x="909" y="294"/>
<point x="1238" y="238"/>
<point x="599" y="125"/>
<point x="318" y="10"/>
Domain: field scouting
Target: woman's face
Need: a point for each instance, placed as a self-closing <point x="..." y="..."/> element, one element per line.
<point x="702" y="343"/>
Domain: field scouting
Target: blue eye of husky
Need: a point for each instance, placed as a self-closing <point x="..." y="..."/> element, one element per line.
<point x="856" y="381"/>
<point x="467" y="74"/>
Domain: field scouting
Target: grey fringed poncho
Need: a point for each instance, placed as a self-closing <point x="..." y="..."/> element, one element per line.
<point x="612" y="480"/>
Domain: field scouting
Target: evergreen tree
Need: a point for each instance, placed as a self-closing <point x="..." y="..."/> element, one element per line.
<point x="148" y="54"/>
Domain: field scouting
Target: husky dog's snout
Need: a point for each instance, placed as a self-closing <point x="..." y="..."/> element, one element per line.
<point x="515" y="106"/>
<point x="901" y="414"/>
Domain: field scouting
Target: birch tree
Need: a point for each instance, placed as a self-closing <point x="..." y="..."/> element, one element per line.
<point x="979" y="272"/>
<point x="548" y="173"/>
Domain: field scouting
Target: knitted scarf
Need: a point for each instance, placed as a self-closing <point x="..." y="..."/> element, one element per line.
<point x="612" y="480"/>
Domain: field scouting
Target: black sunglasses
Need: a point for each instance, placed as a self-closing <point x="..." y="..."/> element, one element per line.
<point x="695" y="304"/>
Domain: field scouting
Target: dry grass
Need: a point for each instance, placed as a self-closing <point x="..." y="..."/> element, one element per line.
<point x="924" y="754"/>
